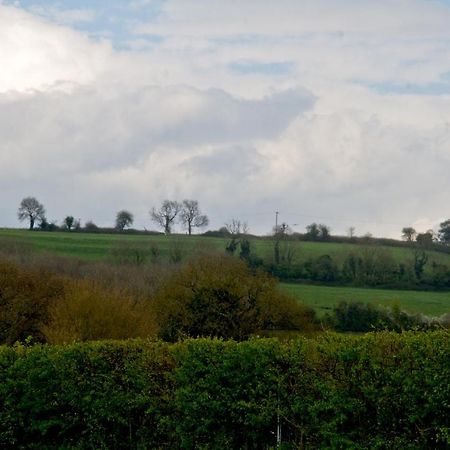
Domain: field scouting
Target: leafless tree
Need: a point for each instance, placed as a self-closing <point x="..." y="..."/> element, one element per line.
<point x="191" y="216"/>
<point x="30" y="209"/>
<point x="236" y="227"/>
<point x="166" y="215"/>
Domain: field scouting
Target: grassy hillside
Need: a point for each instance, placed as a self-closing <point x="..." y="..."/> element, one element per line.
<point x="324" y="298"/>
<point x="98" y="246"/>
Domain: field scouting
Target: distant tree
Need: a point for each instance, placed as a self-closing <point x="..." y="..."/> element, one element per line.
<point x="90" y="227"/>
<point x="408" y="234"/>
<point x="351" y="232"/>
<point x="69" y="222"/>
<point x="30" y="209"/>
<point x="425" y="239"/>
<point x="166" y="215"/>
<point x="235" y="229"/>
<point x="324" y="232"/>
<point x="124" y="219"/>
<point x="444" y="232"/>
<point x="312" y="231"/>
<point x="191" y="217"/>
<point x="316" y="231"/>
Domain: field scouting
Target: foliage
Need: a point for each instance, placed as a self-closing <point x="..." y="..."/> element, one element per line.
<point x="38" y="305"/>
<point x="90" y="312"/>
<point x="69" y="222"/>
<point x="444" y="232"/>
<point x="25" y="296"/>
<point x="124" y="219"/>
<point x="220" y="296"/>
<point x="408" y="234"/>
<point x="381" y="390"/>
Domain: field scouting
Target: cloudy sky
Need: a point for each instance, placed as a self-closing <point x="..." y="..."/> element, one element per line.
<point x="335" y="111"/>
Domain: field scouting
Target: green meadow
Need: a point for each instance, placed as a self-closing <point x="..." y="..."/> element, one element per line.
<point x="324" y="298"/>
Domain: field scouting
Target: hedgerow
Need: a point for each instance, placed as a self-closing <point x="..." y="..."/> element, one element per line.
<point x="381" y="390"/>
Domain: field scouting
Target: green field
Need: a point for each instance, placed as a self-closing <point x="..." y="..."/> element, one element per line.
<point x="323" y="298"/>
<point x="98" y="246"/>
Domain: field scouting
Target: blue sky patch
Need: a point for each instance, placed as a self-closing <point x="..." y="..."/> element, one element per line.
<point x="270" y="69"/>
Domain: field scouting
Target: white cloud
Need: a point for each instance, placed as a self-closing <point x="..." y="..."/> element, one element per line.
<point x="90" y="130"/>
<point x="36" y="55"/>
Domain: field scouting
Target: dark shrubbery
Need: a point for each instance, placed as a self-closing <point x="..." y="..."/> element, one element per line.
<point x="364" y="317"/>
<point x="219" y="296"/>
<point x="381" y="390"/>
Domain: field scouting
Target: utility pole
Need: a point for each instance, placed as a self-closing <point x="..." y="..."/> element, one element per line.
<point x="276" y="221"/>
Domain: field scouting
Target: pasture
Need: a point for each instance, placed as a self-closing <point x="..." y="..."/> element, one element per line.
<point x="324" y="298"/>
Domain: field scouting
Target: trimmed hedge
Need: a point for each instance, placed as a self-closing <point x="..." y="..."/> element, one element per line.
<point x="380" y="390"/>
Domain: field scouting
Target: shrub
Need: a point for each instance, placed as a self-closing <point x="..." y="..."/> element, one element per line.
<point x="90" y="312"/>
<point x="220" y="296"/>
<point x="25" y="295"/>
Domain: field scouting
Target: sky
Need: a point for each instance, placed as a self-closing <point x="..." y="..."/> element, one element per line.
<point x="328" y="111"/>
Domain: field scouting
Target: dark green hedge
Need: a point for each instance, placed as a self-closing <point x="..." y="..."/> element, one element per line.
<point x="383" y="390"/>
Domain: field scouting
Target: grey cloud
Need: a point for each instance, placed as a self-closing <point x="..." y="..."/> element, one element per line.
<point x="90" y="130"/>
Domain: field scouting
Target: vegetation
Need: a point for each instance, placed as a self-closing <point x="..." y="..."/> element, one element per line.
<point x="219" y="296"/>
<point x="380" y="390"/>
<point x="124" y="219"/>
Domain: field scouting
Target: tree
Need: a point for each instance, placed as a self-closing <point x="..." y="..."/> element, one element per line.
<point x="312" y="231"/>
<point x="444" y="232"/>
<point x="69" y="222"/>
<point x="408" y="234"/>
<point x="124" y="219"/>
<point x="166" y="214"/>
<point x="235" y="229"/>
<point x="191" y="216"/>
<point x="30" y="209"/>
<point x="425" y="239"/>
<point x="222" y="297"/>
<point x="324" y="231"/>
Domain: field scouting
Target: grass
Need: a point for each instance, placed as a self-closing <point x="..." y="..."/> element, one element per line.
<point x="323" y="298"/>
<point x="97" y="246"/>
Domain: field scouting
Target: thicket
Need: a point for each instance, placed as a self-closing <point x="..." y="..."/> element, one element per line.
<point x="364" y="317"/>
<point x="381" y="390"/>
<point x="39" y="305"/>
<point x="211" y="295"/>
<point x="370" y="266"/>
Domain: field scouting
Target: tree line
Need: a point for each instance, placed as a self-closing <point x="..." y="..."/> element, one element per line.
<point x="187" y="213"/>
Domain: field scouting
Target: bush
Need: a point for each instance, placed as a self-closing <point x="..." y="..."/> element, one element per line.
<point x="220" y="296"/>
<point x="90" y="312"/>
<point x="25" y="296"/>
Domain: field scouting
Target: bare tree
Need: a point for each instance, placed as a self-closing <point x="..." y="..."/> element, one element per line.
<point x="30" y="209"/>
<point x="191" y="216"/>
<point x="166" y="214"/>
<point x="236" y="227"/>
<point x="124" y="219"/>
